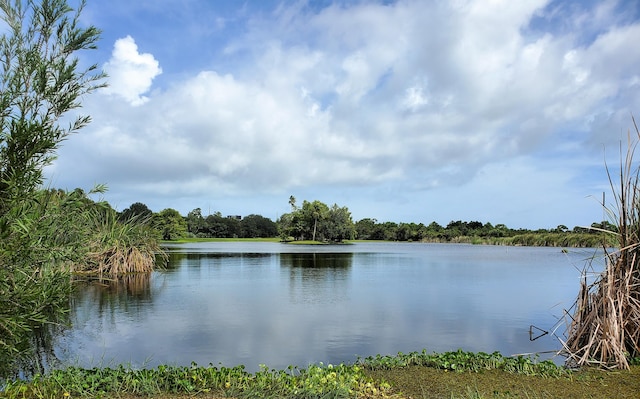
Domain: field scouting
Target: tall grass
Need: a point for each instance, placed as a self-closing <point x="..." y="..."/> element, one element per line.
<point x="605" y="327"/>
<point x="117" y="248"/>
<point x="46" y="238"/>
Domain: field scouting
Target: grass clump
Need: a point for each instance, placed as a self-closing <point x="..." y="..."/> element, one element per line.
<point x="605" y="326"/>
<point x="120" y="247"/>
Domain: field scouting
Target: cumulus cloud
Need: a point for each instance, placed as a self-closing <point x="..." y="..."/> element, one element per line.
<point x="419" y="95"/>
<point x="130" y="72"/>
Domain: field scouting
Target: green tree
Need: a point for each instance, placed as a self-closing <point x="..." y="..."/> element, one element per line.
<point x="314" y="213"/>
<point x="316" y="221"/>
<point x="388" y="231"/>
<point x="41" y="231"/>
<point x="216" y="226"/>
<point x="196" y="223"/>
<point x="40" y="82"/>
<point x="137" y="210"/>
<point x="233" y="226"/>
<point x="339" y="224"/>
<point x="258" y="226"/>
<point x="365" y="228"/>
<point x="292" y="202"/>
<point x="169" y="224"/>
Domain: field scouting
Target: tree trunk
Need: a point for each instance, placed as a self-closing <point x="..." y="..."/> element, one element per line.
<point x="315" y="223"/>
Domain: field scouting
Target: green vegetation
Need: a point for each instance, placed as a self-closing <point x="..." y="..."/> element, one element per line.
<point x="39" y="84"/>
<point x="456" y="374"/>
<point x="47" y="235"/>
<point x="315" y="221"/>
<point x="217" y="226"/>
<point x="316" y="381"/>
<point x="475" y="232"/>
<point x="197" y="239"/>
<point x="334" y="224"/>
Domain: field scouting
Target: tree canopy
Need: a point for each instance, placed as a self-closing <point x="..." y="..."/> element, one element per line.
<point x="40" y="82"/>
<point x="317" y="222"/>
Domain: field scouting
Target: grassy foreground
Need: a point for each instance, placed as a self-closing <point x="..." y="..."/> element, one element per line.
<point x="415" y="375"/>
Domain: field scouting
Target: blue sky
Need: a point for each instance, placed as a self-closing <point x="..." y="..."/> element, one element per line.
<point x="407" y="111"/>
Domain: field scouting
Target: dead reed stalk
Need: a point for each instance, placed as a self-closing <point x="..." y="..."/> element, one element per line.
<point x="118" y="248"/>
<point x="605" y="327"/>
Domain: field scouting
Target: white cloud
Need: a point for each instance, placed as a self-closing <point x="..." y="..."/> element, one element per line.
<point x="414" y="98"/>
<point x="408" y="97"/>
<point x="130" y="72"/>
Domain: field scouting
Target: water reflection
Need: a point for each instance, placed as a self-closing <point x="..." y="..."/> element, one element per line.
<point x="92" y="299"/>
<point x="35" y="355"/>
<point x="317" y="278"/>
<point x="317" y="260"/>
<point x="107" y="296"/>
<point x="253" y="303"/>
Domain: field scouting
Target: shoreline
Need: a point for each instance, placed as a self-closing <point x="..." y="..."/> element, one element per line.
<point x="455" y="374"/>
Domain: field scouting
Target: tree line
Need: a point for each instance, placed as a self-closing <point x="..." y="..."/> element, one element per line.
<point x="169" y="224"/>
<point x="316" y="221"/>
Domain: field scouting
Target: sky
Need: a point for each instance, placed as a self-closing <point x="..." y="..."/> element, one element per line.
<point x="495" y="111"/>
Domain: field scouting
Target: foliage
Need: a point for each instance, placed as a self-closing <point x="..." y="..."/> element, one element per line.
<point x="462" y="361"/>
<point x="315" y="221"/>
<point x="169" y="224"/>
<point x="475" y="232"/>
<point x="335" y="224"/>
<point x="40" y="82"/>
<point x="137" y="210"/>
<point x="317" y="381"/>
<point x="47" y="238"/>
<point x="35" y="260"/>
<point x="253" y="226"/>
<point x="217" y="226"/>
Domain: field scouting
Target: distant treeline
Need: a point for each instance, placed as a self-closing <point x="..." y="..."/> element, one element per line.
<point x="478" y="233"/>
<point x="169" y="224"/>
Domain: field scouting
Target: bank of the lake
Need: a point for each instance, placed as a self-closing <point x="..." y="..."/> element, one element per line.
<point x="427" y="382"/>
<point x="532" y="239"/>
<point x="458" y="374"/>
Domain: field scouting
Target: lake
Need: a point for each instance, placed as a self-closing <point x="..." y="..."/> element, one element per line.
<point x="252" y="303"/>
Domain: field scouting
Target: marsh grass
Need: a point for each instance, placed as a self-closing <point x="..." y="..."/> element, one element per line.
<point x="119" y="247"/>
<point x="604" y="329"/>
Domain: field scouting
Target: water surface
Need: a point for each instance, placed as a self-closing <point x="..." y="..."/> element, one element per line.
<point x="236" y="303"/>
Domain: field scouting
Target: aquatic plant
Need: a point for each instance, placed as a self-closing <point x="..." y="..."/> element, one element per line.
<point x="462" y="361"/>
<point x="456" y="374"/>
<point x="317" y="381"/>
<point x="605" y="325"/>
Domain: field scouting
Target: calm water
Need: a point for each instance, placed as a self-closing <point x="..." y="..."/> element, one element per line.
<point x="276" y="304"/>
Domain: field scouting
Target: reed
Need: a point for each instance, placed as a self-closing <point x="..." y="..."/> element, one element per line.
<point x="605" y="327"/>
<point x="120" y="247"/>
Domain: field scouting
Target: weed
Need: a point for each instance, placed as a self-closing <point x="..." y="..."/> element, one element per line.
<point x="461" y="361"/>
